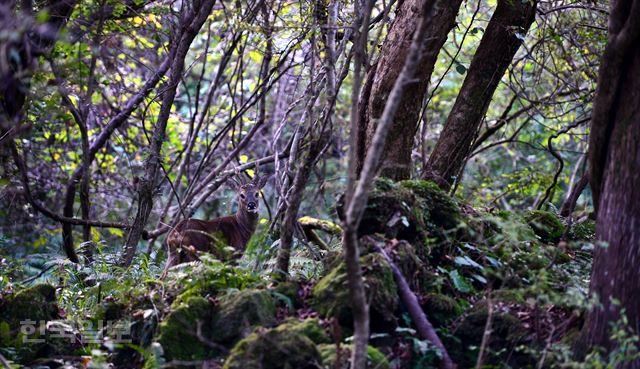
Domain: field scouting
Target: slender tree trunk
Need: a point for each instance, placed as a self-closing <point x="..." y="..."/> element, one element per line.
<point x="190" y="26"/>
<point x="614" y="155"/>
<point x="570" y="203"/>
<point x="396" y="156"/>
<point x="501" y="40"/>
<point x="358" y="191"/>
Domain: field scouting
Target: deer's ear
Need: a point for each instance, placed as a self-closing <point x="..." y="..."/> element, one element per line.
<point x="260" y="182"/>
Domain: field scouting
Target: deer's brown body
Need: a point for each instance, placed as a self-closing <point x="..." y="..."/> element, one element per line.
<point x="191" y="236"/>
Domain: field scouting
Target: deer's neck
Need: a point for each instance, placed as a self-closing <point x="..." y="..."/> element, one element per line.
<point x="247" y="223"/>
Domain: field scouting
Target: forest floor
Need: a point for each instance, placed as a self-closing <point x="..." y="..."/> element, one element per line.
<point x="502" y="290"/>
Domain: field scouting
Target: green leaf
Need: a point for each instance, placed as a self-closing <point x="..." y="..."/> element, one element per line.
<point x="467" y="261"/>
<point x="461" y="68"/>
<point x="459" y="282"/>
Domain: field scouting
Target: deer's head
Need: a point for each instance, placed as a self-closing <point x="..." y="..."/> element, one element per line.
<point x="249" y="193"/>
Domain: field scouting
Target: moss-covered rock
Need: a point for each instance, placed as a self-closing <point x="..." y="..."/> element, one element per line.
<point x="442" y="210"/>
<point x="546" y="225"/>
<point x="277" y="348"/>
<point x="375" y="358"/>
<point x="585" y="231"/>
<point x="440" y="309"/>
<point x="309" y="328"/>
<point x="178" y="332"/>
<point x="330" y="296"/>
<point x="238" y="313"/>
<point x="394" y="211"/>
<point x="507" y="333"/>
<point x="289" y="292"/>
<point x="37" y="303"/>
<point x="208" y="279"/>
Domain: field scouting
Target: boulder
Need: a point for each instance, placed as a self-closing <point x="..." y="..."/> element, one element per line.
<point x="330" y="296"/>
<point x="283" y="347"/>
<point x="546" y="225"/>
<point x="375" y="358"/>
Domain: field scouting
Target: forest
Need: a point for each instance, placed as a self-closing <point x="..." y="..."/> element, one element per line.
<point x="319" y="184"/>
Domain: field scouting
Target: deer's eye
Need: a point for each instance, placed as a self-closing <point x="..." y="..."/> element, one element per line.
<point x="242" y="196"/>
<point x="257" y="194"/>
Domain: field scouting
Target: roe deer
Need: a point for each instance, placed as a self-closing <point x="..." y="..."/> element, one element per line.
<point x="191" y="235"/>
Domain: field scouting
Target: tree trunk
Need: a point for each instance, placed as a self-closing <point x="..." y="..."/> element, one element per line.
<point x="615" y="182"/>
<point x="190" y="26"/>
<point x="396" y="156"/>
<point x="500" y="42"/>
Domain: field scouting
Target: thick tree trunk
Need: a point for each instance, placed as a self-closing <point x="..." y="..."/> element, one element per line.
<point x="615" y="181"/>
<point x="190" y="27"/>
<point x="500" y="42"/>
<point x="396" y="157"/>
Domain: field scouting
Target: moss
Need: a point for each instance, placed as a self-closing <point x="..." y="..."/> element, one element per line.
<point x="289" y="290"/>
<point x="178" y="332"/>
<point x="278" y="348"/>
<point x="546" y="225"/>
<point x="375" y="358"/>
<point x="209" y="278"/>
<point x="585" y="231"/>
<point x="443" y="211"/>
<point x="507" y="333"/>
<point x="37" y="303"/>
<point x="393" y="211"/>
<point x="440" y="309"/>
<point x="238" y="313"/>
<point x="330" y="296"/>
<point x="309" y="328"/>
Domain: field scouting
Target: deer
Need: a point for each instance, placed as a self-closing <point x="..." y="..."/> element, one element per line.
<point x="190" y="236"/>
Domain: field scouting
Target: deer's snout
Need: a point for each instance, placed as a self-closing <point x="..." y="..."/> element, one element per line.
<point x="251" y="205"/>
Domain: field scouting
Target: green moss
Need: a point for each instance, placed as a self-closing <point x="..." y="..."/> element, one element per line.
<point x="546" y="225"/>
<point x="443" y="211"/>
<point x="375" y="358"/>
<point x="178" y="331"/>
<point x="585" y="231"/>
<point x="393" y="211"/>
<point x="209" y="278"/>
<point x="309" y="328"/>
<point x="277" y="348"/>
<point x="238" y="313"/>
<point x="330" y="296"/>
<point x="507" y="333"/>
<point x="289" y="290"/>
<point x="37" y="303"/>
<point x="440" y="309"/>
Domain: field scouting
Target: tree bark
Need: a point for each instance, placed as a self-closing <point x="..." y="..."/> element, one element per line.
<point x="500" y="42"/>
<point x="396" y="156"/>
<point x="614" y="156"/>
<point x="190" y="26"/>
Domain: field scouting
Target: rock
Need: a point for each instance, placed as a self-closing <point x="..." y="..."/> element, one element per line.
<point x="546" y="225"/>
<point x="283" y="347"/>
<point x="330" y="296"/>
<point x="309" y="327"/>
<point x="440" y="309"/>
<point x="178" y="331"/>
<point x="37" y="303"/>
<point x="238" y="313"/>
<point x="507" y="333"/>
<point x="442" y="210"/>
<point x="375" y="358"/>
<point x="585" y="231"/>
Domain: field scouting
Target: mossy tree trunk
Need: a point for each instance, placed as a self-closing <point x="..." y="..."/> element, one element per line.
<point x="396" y="156"/>
<point x="501" y="40"/>
<point x="615" y="182"/>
